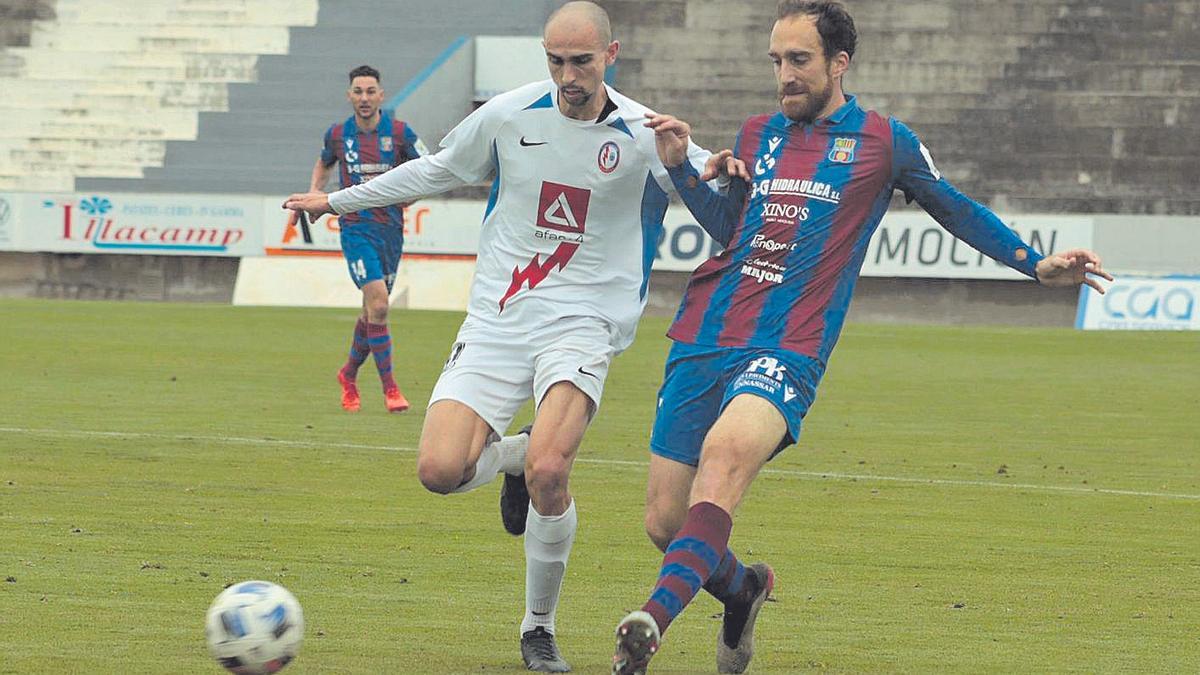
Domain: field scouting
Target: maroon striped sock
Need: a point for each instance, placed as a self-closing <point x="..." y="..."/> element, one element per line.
<point x="690" y="560"/>
<point x="359" y="350"/>
<point x="380" y="342"/>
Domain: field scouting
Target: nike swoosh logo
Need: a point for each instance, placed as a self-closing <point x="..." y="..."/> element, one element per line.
<point x="584" y="372"/>
<point x="527" y="144"/>
<point x="540" y="613"/>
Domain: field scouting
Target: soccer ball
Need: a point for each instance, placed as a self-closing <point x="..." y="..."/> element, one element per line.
<point x="254" y="627"/>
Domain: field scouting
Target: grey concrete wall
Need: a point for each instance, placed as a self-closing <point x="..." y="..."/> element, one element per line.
<point x="117" y="277"/>
<point x="268" y="140"/>
<point x="1149" y="244"/>
<point x="435" y="106"/>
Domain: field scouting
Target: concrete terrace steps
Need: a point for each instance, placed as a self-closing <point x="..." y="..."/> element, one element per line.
<point x="218" y="13"/>
<point x="85" y="72"/>
<point x="1178" y="76"/>
<point x="100" y="38"/>
<point x="268" y="139"/>
<point x="142" y="65"/>
<point x="1031" y="96"/>
<point x="155" y="125"/>
<point x="17" y="18"/>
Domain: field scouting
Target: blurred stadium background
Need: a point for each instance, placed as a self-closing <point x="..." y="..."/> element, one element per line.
<point x="1057" y="108"/>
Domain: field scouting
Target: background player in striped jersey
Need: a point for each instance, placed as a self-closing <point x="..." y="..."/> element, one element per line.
<point x="568" y="237"/>
<point x="367" y="144"/>
<point x="758" y="322"/>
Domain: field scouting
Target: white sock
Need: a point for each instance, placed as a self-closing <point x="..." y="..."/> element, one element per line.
<point x="506" y="454"/>
<point x="548" y="542"/>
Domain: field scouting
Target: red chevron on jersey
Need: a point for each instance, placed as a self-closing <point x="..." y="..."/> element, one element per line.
<point x="535" y="272"/>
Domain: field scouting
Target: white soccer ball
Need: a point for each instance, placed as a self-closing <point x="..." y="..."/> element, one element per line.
<point x="254" y="627"/>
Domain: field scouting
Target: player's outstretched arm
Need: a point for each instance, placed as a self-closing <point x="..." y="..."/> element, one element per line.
<point x="671" y="137"/>
<point x="315" y="204"/>
<point x="724" y="164"/>
<point x="1071" y="268"/>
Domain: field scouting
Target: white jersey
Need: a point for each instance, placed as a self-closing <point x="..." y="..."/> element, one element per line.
<point x="575" y="212"/>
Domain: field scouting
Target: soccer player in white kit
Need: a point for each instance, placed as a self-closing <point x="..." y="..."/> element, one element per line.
<point x="570" y="231"/>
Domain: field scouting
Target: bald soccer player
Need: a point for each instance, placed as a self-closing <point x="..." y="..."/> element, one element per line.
<point x="568" y="236"/>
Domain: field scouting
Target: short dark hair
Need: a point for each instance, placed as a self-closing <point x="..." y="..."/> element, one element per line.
<point x="834" y="23"/>
<point x="365" y="71"/>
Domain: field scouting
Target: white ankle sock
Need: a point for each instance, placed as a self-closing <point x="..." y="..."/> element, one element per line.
<point x="548" y="542"/>
<point x="506" y="454"/>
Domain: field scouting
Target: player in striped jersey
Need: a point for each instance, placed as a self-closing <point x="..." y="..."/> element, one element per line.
<point x="366" y="145"/>
<point x="758" y="322"/>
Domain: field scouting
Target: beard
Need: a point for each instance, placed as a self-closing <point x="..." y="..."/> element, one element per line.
<point x="806" y="109"/>
<point x="577" y="100"/>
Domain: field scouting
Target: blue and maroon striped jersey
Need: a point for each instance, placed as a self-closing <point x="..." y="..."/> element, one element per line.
<point x="796" y="236"/>
<point x="363" y="155"/>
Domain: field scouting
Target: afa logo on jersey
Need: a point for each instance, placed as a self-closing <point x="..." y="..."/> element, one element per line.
<point x="843" y="150"/>
<point x="563" y="207"/>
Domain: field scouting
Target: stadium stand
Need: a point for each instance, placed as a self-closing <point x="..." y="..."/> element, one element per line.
<point x="102" y="86"/>
<point x="225" y="97"/>
<point x="1031" y="106"/>
<point x="267" y="140"/>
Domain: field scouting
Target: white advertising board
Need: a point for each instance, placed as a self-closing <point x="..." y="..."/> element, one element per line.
<point x="436" y="227"/>
<point x="1141" y="303"/>
<point x="160" y="224"/>
<point x="912" y="244"/>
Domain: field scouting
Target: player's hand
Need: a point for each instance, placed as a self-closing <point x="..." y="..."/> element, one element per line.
<point x="1071" y="268"/>
<point x="670" y="137"/>
<point x="725" y="164"/>
<point x="315" y="204"/>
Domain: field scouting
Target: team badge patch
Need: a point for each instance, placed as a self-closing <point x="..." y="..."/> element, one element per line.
<point x="843" y="150"/>
<point x="609" y="157"/>
<point x="385" y="143"/>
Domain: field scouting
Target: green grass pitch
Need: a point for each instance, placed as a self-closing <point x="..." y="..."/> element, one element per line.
<point x="963" y="499"/>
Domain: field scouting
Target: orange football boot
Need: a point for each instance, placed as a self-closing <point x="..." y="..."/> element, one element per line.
<point x="350" y="399"/>
<point x="395" y="401"/>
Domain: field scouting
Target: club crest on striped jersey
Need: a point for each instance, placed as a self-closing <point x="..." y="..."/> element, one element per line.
<point x="385" y="143"/>
<point x="609" y="157"/>
<point x="843" y="150"/>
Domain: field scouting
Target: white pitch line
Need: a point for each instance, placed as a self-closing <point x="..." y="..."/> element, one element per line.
<point x="822" y="475"/>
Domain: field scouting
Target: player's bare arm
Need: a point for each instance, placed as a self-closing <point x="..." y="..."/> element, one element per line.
<point x="320" y="176"/>
<point x="315" y="204"/>
<point x="1071" y="268"/>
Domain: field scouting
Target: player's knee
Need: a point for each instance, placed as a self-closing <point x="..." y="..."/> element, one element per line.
<point x="377" y="312"/>
<point x="547" y="475"/>
<point x="660" y="530"/>
<point x="437" y="476"/>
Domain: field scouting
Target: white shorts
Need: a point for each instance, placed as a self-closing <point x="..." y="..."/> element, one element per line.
<point x="494" y="374"/>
